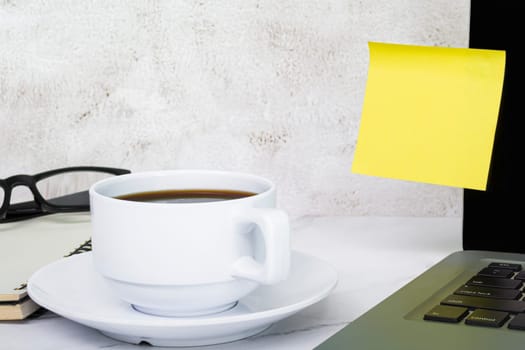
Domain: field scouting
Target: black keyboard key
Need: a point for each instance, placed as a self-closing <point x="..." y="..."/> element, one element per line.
<point x="487" y="318"/>
<point x="444" y="313"/>
<point x="494" y="282"/>
<point x="513" y="306"/>
<point x="502" y="265"/>
<point x="518" y="322"/>
<point x="486" y="292"/>
<point x="520" y="276"/>
<point x="496" y="272"/>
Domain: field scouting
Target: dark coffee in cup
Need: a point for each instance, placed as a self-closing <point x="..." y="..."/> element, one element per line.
<point x="185" y="196"/>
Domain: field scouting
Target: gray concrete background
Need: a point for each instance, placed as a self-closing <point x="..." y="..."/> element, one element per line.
<point x="271" y="87"/>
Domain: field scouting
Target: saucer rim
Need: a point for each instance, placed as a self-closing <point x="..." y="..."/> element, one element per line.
<point x="152" y="321"/>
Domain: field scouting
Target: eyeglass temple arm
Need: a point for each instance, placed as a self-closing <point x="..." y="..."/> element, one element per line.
<point x="114" y="171"/>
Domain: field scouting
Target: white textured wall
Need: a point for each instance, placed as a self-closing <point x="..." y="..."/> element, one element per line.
<point x="273" y="87"/>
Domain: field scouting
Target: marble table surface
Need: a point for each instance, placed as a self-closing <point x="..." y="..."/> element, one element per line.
<point x="374" y="256"/>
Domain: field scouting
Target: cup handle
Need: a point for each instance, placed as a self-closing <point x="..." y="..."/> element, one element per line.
<point x="275" y="229"/>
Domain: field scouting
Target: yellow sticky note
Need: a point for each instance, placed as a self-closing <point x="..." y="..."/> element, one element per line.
<point x="429" y="114"/>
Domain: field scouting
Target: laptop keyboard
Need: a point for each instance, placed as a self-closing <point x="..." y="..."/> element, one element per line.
<point x="492" y="298"/>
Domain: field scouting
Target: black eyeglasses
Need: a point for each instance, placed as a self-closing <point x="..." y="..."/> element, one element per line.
<point x="54" y="191"/>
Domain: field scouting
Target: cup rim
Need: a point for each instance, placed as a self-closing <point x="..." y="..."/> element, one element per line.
<point x="94" y="189"/>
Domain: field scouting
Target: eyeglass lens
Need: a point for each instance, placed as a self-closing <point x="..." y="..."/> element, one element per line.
<point x="20" y="194"/>
<point x="68" y="183"/>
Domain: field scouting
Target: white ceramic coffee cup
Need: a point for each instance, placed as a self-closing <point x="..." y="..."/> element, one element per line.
<point x="188" y="259"/>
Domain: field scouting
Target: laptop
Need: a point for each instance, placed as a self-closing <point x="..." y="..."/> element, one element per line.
<point x="474" y="298"/>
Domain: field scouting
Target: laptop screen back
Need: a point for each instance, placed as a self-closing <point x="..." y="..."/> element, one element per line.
<point x="492" y="219"/>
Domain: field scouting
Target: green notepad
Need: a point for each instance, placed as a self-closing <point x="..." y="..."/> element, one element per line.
<point x="25" y="246"/>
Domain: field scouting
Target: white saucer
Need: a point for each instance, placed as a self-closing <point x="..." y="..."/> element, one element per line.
<point x="71" y="288"/>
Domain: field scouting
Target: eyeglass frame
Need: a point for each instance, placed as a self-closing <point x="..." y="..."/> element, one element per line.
<point x="44" y="206"/>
